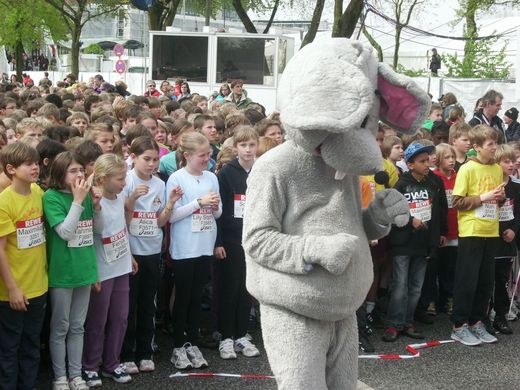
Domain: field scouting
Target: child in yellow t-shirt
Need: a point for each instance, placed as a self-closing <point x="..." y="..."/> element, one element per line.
<point x="476" y="195"/>
<point x="23" y="268"/>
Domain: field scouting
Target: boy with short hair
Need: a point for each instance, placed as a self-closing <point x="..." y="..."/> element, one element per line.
<point x="509" y="225"/>
<point x="23" y="269"/>
<point x="102" y="135"/>
<point x="206" y="125"/>
<point x="478" y="190"/>
<point x="412" y="244"/>
<point x="435" y="115"/>
<point x="235" y="301"/>
<point x="49" y="111"/>
<point x="78" y="120"/>
<point x="86" y="154"/>
<point x="29" y="127"/>
<point x="459" y="138"/>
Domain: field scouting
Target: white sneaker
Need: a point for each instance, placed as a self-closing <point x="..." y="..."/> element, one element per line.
<point x="146" y="365"/>
<point x="130" y="368"/>
<point x="78" y="383"/>
<point x="227" y="350"/>
<point x="180" y="359"/>
<point x="247" y="348"/>
<point x="92" y="378"/>
<point x="479" y="330"/>
<point x="465" y="336"/>
<point x="195" y="356"/>
<point x="61" y="384"/>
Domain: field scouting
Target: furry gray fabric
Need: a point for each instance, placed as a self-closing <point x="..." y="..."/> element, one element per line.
<point x="305" y="235"/>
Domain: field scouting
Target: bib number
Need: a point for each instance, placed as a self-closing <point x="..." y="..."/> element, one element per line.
<point x="449" y="196"/>
<point x="30" y="233"/>
<point x="506" y="212"/>
<point x="144" y="224"/>
<point x="488" y="210"/>
<point x="239" y="205"/>
<point x="202" y="221"/>
<point x="116" y="246"/>
<point x="421" y="209"/>
<point x="83" y="236"/>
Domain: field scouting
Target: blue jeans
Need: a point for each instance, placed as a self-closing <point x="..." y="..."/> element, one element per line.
<point x="405" y="290"/>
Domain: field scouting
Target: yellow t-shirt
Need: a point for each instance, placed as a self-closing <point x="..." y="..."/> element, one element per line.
<point x="21" y="221"/>
<point x="392" y="171"/>
<point x="474" y="179"/>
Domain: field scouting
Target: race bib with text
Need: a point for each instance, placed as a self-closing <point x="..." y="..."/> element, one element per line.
<point x="116" y="246"/>
<point x="506" y="212"/>
<point x="144" y="224"/>
<point x="83" y="236"/>
<point x="488" y="210"/>
<point x="239" y="205"/>
<point x="421" y="209"/>
<point x="30" y="233"/>
<point x="202" y="220"/>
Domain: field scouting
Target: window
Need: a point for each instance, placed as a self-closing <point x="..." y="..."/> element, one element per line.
<point x="249" y="59"/>
<point x="180" y="57"/>
<point x="121" y="24"/>
<point x="285" y="52"/>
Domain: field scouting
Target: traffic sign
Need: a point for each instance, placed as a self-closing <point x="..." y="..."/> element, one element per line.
<point x="119" y="50"/>
<point x="120" y="66"/>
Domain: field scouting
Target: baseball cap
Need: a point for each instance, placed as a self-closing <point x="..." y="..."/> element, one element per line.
<point x="414" y="149"/>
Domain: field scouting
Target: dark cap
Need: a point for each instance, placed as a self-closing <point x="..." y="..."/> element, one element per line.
<point x="512" y="113"/>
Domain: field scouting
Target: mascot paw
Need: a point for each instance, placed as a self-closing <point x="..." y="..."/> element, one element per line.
<point x="332" y="252"/>
<point x="390" y="206"/>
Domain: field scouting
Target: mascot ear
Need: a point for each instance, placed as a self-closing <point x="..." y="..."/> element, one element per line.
<point x="404" y="105"/>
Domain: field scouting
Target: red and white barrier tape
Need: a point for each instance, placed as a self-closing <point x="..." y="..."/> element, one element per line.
<point x="220" y="374"/>
<point x="412" y="348"/>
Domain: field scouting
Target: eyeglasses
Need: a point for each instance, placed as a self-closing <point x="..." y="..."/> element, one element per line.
<point x="75" y="171"/>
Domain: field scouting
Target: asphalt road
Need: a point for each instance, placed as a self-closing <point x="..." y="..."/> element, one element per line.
<point x="450" y="366"/>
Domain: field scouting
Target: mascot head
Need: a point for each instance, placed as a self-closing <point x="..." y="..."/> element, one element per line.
<point x="331" y="96"/>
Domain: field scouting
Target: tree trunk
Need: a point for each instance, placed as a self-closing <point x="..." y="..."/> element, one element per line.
<point x="374" y="44"/>
<point x="242" y="14"/>
<point x="273" y="13"/>
<point x="154" y="17"/>
<point x="74" y="49"/>
<point x="18" y="55"/>
<point x="396" y="47"/>
<point x="338" y="11"/>
<point x="207" y="13"/>
<point x="350" y="18"/>
<point x="315" y="23"/>
<point x="168" y="20"/>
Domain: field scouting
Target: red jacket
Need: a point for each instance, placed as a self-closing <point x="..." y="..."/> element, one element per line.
<point x="449" y="184"/>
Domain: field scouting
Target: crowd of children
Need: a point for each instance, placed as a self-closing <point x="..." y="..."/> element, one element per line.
<point x="113" y="211"/>
<point x="457" y="251"/>
<point x="116" y="211"/>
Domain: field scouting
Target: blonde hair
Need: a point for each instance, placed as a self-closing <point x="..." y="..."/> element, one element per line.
<point x="190" y="142"/>
<point x="107" y="165"/>
<point x="28" y="124"/>
<point x="95" y="129"/>
<point x="388" y="143"/>
<point x="457" y="130"/>
<point x="265" y="144"/>
<point x="224" y="156"/>
<point x="442" y="150"/>
<point x="75" y="116"/>
<point x="505" y="152"/>
<point x="244" y="133"/>
<point x="480" y="133"/>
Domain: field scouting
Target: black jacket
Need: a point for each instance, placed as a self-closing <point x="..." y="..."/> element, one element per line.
<point x="232" y="180"/>
<point x="495" y="122"/>
<point x="508" y="221"/>
<point x="408" y="241"/>
<point x="513" y="131"/>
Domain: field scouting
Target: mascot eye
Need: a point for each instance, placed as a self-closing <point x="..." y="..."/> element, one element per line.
<point x="364" y="123"/>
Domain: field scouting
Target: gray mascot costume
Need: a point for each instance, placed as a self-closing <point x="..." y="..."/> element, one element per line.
<point x="305" y="233"/>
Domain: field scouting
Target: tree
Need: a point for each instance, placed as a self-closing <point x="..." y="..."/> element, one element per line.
<point x="403" y="10"/>
<point x="315" y="22"/>
<point x="26" y="23"/>
<point x="241" y="11"/>
<point x="345" y="21"/>
<point x="76" y="13"/>
<point x="162" y="14"/>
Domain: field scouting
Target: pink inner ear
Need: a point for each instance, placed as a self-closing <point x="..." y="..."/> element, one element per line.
<point x="398" y="106"/>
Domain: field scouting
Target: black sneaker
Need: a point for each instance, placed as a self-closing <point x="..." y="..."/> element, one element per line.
<point x="365" y="345"/>
<point x="374" y="320"/>
<point x="502" y="325"/>
<point x="423" y="318"/>
<point x="489" y="327"/>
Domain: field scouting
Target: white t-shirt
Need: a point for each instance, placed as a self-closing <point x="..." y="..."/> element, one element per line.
<point x="194" y="230"/>
<point x="144" y="234"/>
<point x="112" y="248"/>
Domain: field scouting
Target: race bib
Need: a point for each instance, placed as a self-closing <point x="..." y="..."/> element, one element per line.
<point x="202" y="221"/>
<point x="449" y="196"/>
<point x="239" y="205"/>
<point x="506" y="212"/>
<point x="421" y="209"/>
<point x="116" y="246"/>
<point x="30" y="233"/>
<point x="144" y="224"/>
<point x="83" y="236"/>
<point x="488" y="210"/>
